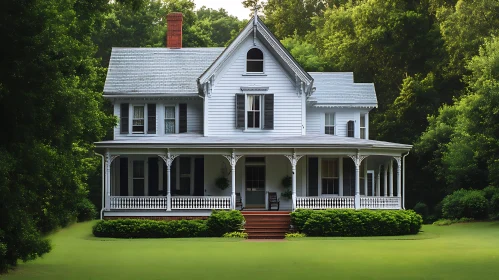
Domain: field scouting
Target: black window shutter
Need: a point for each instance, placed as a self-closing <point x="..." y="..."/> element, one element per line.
<point x="123" y="176"/>
<point x="350" y="129"/>
<point x="313" y="174"/>
<point x="240" y="103"/>
<point x="151" y="118"/>
<point x="124" y="118"/>
<point x="182" y="122"/>
<point x="269" y="111"/>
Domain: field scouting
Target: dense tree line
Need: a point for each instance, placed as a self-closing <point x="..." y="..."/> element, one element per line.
<point x="434" y="64"/>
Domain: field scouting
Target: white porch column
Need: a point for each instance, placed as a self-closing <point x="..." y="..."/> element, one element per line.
<point x="357" y="159"/>
<point x="233" y="158"/>
<point x="293" y="159"/>
<point x="107" y="176"/>
<point x="378" y="182"/>
<point x="399" y="180"/>
<point x="169" y="158"/>
<point x="391" y="178"/>
<point x="385" y="180"/>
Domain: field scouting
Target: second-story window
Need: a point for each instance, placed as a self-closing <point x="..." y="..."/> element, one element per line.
<point x="169" y="119"/>
<point x="329" y="124"/>
<point x="254" y="61"/>
<point x="138" y="119"/>
<point x="362" y="126"/>
<point x="253" y="111"/>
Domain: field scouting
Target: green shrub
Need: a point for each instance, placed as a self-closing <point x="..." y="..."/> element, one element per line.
<point x="490" y="191"/>
<point x="85" y="210"/>
<point x="134" y="228"/>
<point x="422" y="209"/>
<point x="222" y="221"/>
<point x="356" y="222"/>
<point x="236" y="234"/>
<point x="465" y="204"/>
<point x="443" y="222"/>
<point x="294" y="235"/>
<point x="494" y="206"/>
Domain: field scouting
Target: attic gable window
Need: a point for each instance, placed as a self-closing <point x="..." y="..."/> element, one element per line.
<point x="254" y="61"/>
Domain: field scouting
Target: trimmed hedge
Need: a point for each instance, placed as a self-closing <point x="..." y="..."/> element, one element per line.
<point x="465" y="204"/>
<point x="356" y="222"/>
<point x="219" y="223"/>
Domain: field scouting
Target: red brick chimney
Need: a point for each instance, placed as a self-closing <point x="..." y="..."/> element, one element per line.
<point x="174" y="33"/>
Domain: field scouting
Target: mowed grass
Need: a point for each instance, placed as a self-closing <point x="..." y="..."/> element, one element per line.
<point x="461" y="251"/>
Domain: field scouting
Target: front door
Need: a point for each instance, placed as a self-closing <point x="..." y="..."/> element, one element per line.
<point x="255" y="182"/>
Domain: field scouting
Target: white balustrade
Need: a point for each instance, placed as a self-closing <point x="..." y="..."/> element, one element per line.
<point x="369" y="202"/>
<point x="200" y="202"/>
<point x="325" y="202"/>
<point x="139" y="202"/>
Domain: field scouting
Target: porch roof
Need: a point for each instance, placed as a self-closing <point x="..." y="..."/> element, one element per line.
<point x="250" y="141"/>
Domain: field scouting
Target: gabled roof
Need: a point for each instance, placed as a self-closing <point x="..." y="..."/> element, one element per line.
<point x="256" y="27"/>
<point x="155" y="71"/>
<point x="339" y="90"/>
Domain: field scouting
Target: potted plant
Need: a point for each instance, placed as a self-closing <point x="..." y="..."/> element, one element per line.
<point x="286" y="183"/>
<point x="222" y="183"/>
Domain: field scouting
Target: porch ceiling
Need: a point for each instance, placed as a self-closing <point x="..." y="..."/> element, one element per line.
<point x="250" y="141"/>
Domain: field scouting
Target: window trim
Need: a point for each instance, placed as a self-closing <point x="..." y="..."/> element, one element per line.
<point x="333" y="125"/>
<point x="363" y="127"/>
<point x="260" y="110"/>
<point x="246" y="73"/>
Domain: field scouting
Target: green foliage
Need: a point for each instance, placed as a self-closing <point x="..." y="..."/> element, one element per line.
<point x="465" y="204"/>
<point x="422" y="209"/>
<point x="291" y="235"/>
<point x="223" y="221"/>
<point x="222" y="182"/>
<point x="305" y="53"/>
<point x="356" y="223"/>
<point x="494" y="206"/>
<point x="85" y="210"/>
<point x="236" y="234"/>
<point x="135" y="228"/>
<point x="443" y="222"/>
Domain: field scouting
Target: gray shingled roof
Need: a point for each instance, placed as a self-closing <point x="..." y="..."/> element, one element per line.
<point x="339" y="89"/>
<point x="155" y="71"/>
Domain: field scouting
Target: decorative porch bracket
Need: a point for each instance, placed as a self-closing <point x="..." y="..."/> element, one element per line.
<point x="168" y="159"/>
<point x="357" y="160"/>
<point x="293" y="159"/>
<point x="108" y="161"/>
<point x="233" y="158"/>
<point x="399" y="180"/>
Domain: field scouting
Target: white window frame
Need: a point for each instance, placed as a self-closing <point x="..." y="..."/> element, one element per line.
<point x="363" y="128"/>
<point x="333" y="125"/>
<point x="175" y="106"/>
<point x="261" y="110"/>
<point x="246" y="62"/>
<point x="131" y="113"/>
<point x="340" y="177"/>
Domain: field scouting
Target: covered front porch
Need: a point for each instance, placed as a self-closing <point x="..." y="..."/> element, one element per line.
<point x="182" y="180"/>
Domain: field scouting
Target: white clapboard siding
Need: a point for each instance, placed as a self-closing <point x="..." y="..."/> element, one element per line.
<point x="316" y="121"/>
<point x="194" y="116"/>
<point x="221" y="105"/>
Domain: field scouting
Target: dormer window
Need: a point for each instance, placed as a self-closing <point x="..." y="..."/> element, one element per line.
<point x="254" y="61"/>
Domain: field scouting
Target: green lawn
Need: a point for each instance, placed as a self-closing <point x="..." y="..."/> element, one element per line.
<point x="463" y="251"/>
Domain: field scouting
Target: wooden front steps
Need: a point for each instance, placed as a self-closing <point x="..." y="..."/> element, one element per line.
<point x="266" y="224"/>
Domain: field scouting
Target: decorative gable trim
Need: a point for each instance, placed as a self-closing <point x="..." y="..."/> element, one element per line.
<point x="254" y="89"/>
<point x="256" y="27"/>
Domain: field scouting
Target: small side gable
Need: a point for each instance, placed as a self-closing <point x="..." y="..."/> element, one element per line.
<point x="257" y="29"/>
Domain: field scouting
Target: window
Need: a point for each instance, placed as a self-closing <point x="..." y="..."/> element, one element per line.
<point x="169" y="119"/>
<point x="362" y="177"/>
<point x="330" y="178"/>
<point x="329" y="124"/>
<point x="363" y="126"/>
<point x="254" y="61"/>
<point x="138" y="177"/>
<point x="350" y="129"/>
<point x="138" y="119"/>
<point x="253" y="111"/>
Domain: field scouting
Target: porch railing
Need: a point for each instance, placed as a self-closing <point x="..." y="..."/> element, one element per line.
<point x="139" y="202"/>
<point x="380" y="202"/>
<point x="200" y="202"/>
<point x="333" y="202"/>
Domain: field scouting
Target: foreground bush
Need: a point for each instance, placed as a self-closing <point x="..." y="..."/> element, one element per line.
<point x="222" y="221"/>
<point x="356" y="222"/>
<point x="465" y="204"/>
<point x="85" y="210"/>
<point x="236" y="234"/>
<point x="218" y="224"/>
<point x="422" y="209"/>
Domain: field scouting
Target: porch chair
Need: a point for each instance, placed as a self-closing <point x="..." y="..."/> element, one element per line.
<point x="273" y="200"/>
<point x="239" y="201"/>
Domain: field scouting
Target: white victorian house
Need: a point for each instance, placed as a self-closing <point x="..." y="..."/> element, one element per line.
<point x="248" y="113"/>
